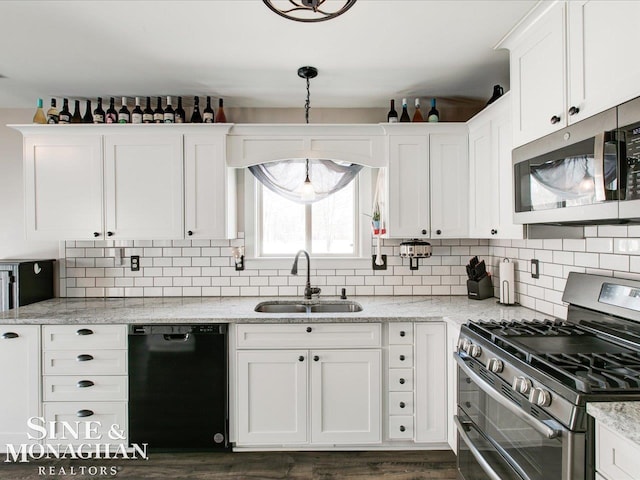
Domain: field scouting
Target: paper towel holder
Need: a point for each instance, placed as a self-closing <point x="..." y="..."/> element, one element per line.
<point x="504" y="284"/>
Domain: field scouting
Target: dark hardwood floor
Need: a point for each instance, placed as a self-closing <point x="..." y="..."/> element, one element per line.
<point x="397" y="465"/>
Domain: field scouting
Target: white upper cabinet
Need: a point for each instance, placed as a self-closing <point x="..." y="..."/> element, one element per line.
<point x="408" y="186"/>
<point x="602" y="71"/>
<point x="210" y="188"/>
<point x="490" y="183"/>
<point x="569" y="61"/>
<point x="538" y="78"/>
<point x="63" y="187"/>
<point x="143" y="186"/>
<point x="449" y="161"/>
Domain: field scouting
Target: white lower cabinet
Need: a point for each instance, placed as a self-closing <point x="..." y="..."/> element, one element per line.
<point x="85" y="380"/>
<point x="307" y="396"/>
<point x="617" y="458"/>
<point x="20" y="374"/>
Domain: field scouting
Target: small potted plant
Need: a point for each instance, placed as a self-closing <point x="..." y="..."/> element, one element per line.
<point x="375" y="219"/>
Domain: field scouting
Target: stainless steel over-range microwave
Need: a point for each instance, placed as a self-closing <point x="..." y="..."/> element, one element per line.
<point x="588" y="172"/>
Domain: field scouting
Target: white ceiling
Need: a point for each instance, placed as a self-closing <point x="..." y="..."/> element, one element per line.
<point x="240" y="50"/>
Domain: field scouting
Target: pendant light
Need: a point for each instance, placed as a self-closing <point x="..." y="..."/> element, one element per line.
<point x="308" y="11"/>
<point x="307" y="191"/>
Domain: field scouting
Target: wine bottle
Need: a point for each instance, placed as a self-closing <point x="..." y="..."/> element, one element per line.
<point x="147" y="115"/>
<point x="179" y="113"/>
<point x="112" y="115"/>
<point x="207" y="113"/>
<point x="220" y="116"/>
<point x="169" y="113"/>
<point x="433" y="115"/>
<point x="98" y="113"/>
<point x="123" y="114"/>
<point x="405" y="114"/>
<point x="392" y="116"/>
<point x="76" y="118"/>
<point x="136" y="114"/>
<point x="39" y="117"/>
<point x="64" y="116"/>
<point x="88" y="116"/>
<point x="52" y="113"/>
<point x="417" y="115"/>
<point x="158" y="113"/>
<point x="195" y="116"/>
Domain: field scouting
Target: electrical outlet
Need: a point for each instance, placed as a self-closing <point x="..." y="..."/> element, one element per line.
<point x="535" y="268"/>
<point x="135" y="263"/>
<point x="379" y="267"/>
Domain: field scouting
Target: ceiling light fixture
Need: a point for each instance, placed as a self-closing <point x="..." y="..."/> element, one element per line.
<point x="308" y="10"/>
<point x="307" y="191"/>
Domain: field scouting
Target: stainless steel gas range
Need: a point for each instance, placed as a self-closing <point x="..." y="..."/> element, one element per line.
<point x="523" y="386"/>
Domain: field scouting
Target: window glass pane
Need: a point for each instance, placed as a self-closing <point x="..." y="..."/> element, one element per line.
<point x="333" y="223"/>
<point x="283" y="224"/>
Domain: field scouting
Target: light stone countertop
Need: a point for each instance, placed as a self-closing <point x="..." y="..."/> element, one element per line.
<point x="621" y="417"/>
<point x="456" y="309"/>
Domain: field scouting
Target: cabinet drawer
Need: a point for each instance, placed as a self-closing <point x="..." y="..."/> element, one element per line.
<point x="308" y="335"/>
<point x="74" y="337"/>
<point x="106" y="414"/>
<point x="401" y="356"/>
<point x="67" y="388"/>
<point x="401" y="427"/>
<point x="401" y="403"/>
<point x="401" y="380"/>
<point x="401" y="333"/>
<point x="616" y="457"/>
<point x="85" y="362"/>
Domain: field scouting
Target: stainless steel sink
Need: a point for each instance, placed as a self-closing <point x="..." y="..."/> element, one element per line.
<point x="279" y="306"/>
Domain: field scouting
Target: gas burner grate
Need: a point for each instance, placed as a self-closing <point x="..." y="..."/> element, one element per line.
<point x="593" y="372"/>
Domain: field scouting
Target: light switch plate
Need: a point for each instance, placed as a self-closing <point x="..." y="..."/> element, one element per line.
<point x="535" y="268"/>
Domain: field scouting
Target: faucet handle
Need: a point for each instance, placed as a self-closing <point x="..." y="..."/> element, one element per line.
<point x="316" y="291"/>
<point x="343" y="295"/>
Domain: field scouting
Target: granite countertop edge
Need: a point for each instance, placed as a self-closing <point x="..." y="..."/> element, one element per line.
<point x="621" y="417"/>
<point x="454" y="309"/>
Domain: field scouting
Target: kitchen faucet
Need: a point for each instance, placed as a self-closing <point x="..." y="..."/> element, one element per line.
<point x="308" y="291"/>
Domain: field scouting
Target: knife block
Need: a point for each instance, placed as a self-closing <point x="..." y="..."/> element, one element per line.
<point x="480" y="289"/>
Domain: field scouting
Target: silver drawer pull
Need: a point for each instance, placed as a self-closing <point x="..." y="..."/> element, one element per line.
<point x="84" y="413"/>
<point x="9" y="335"/>
<point x="85" y="384"/>
<point x="84" y="357"/>
<point x="84" y="331"/>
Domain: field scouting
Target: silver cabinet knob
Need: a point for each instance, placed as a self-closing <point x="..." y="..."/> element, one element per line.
<point x="521" y="384"/>
<point x="495" y="365"/>
<point x="475" y="351"/>
<point x="540" y="397"/>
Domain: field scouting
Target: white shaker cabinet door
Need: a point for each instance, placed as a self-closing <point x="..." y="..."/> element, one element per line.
<point x="63" y="187"/>
<point x="346" y="396"/>
<point x="538" y="78"/>
<point x="431" y="382"/>
<point x="144" y="189"/>
<point x="602" y="61"/>
<point x="20" y="379"/>
<point x="408" y="186"/>
<point x="484" y="205"/>
<point x="272" y="397"/>
<point x="449" y="160"/>
<point x="210" y="188"/>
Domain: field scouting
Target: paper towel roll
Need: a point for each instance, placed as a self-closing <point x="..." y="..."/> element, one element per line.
<point x="507" y="282"/>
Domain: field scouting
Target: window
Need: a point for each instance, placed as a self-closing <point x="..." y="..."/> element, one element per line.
<point x="328" y="227"/>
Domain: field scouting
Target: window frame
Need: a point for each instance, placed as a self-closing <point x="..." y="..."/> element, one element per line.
<point x="361" y="258"/>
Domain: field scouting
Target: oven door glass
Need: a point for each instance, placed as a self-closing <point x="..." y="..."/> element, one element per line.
<point x="584" y="173"/>
<point x="530" y="453"/>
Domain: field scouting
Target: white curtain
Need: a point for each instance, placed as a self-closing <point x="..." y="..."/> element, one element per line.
<point x="285" y="177"/>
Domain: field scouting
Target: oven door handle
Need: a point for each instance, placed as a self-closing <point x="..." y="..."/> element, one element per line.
<point x="539" y="426"/>
<point x="464" y="436"/>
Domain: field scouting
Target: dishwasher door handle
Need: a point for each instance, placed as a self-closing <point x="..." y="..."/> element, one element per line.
<point x="176" y="337"/>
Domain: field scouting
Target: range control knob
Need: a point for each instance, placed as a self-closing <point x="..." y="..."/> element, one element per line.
<point x="463" y="344"/>
<point x="521" y="384"/>
<point x="495" y="365"/>
<point x="475" y="351"/>
<point x="540" y="397"/>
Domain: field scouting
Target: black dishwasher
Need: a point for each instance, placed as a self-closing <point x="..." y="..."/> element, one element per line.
<point x="178" y="387"/>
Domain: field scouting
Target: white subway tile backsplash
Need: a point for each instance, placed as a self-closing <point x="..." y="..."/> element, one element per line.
<point x="600" y="245"/>
<point x="626" y="246"/>
<point x="614" y="262"/>
<point x="591" y="260"/>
